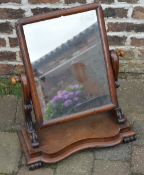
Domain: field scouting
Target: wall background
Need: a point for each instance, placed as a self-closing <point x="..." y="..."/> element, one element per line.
<point x="124" y="22"/>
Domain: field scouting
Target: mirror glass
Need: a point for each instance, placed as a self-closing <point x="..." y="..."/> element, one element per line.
<point x="68" y="64"/>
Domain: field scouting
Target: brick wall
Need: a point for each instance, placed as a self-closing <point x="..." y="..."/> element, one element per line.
<point x="124" y="22"/>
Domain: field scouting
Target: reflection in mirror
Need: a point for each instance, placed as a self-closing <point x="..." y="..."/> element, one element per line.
<point x="68" y="64"/>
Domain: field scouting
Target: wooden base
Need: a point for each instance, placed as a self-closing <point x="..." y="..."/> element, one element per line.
<point x="61" y="140"/>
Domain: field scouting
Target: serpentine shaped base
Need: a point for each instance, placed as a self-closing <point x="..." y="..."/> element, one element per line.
<point x="60" y="141"/>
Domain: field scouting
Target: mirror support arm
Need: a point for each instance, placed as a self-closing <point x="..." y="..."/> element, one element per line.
<point x="27" y="112"/>
<point x="115" y="66"/>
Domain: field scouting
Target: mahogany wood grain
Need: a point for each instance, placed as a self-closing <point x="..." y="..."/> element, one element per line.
<point x="58" y="142"/>
<point x="58" y="138"/>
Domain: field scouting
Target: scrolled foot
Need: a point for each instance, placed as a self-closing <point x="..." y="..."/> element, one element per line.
<point x="129" y="139"/>
<point x="35" y="165"/>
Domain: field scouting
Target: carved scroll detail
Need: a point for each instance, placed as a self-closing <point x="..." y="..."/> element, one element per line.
<point x="120" y="115"/>
<point x="27" y="110"/>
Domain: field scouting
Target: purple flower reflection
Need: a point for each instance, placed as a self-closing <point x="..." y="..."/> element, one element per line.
<point x="67" y="103"/>
<point x="66" y="96"/>
<point x="76" y="99"/>
<point x="61" y="93"/>
<point x="56" y="99"/>
<point x="77" y="93"/>
<point x="64" y="100"/>
<point x="75" y="86"/>
<point x="70" y="95"/>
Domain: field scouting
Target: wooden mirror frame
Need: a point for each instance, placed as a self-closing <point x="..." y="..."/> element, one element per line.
<point x="28" y="67"/>
<point x="31" y="137"/>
